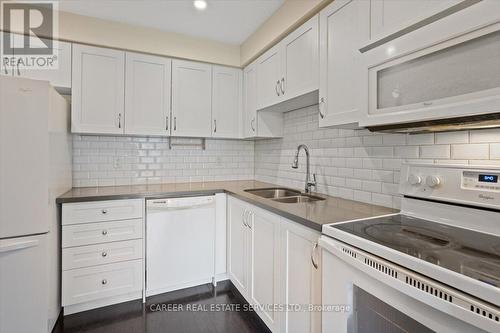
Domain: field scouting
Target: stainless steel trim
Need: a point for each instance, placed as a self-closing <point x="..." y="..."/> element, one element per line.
<point x="490" y="120"/>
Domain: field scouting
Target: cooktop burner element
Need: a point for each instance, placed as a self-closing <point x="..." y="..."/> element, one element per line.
<point x="464" y="251"/>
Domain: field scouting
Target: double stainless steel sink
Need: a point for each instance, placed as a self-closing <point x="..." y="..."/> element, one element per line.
<point x="284" y="195"/>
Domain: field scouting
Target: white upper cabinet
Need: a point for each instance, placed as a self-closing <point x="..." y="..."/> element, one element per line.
<point x="342" y="90"/>
<point x="257" y="123"/>
<point x="448" y="69"/>
<point x="147" y="94"/>
<point x="269" y="75"/>
<point x="250" y="101"/>
<point x="191" y="99"/>
<point x="59" y="77"/>
<point x="226" y="102"/>
<point x="300" y="59"/>
<point x="392" y="18"/>
<point x="97" y="90"/>
<point x="5" y="69"/>
<point x="289" y="70"/>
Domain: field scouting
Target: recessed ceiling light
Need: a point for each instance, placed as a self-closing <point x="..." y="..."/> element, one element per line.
<point x="200" y="4"/>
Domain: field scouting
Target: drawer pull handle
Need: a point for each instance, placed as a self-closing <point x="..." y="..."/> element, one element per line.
<point x="104" y="211"/>
<point x="104" y="281"/>
<point x="104" y="232"/>
<point x="104" y="254"/>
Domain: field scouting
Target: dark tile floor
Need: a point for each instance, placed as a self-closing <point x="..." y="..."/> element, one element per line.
<point x="198" y="313"/>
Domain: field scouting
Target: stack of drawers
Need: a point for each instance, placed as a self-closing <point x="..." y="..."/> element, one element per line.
<point x="102" y="253"/>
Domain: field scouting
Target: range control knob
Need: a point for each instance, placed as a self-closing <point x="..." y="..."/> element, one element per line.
<point x="432" y="181"/>
<point x="414" y="179"/>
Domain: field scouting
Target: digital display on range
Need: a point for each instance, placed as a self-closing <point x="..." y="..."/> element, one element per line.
<point x="488" y="178"/>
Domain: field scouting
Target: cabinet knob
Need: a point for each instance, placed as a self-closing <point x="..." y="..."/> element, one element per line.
<point x="104" y="232"/>
<point x="104" y="254"/>
<point x="104" y="281"/>
<point x="104" y="211"/>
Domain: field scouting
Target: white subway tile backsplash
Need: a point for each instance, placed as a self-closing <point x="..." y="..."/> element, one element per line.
<point x="376" y="179"/>
<point x="351" y="164"/>
<point x="108" y="160"/>
<point x="485" y="136"/>
<point x="435" y="151"/>
<point x="452" y="137"/>
<point x="475" y="151"/>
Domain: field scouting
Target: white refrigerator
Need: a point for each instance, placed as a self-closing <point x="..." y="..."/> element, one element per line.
<point x="35" y="168"/>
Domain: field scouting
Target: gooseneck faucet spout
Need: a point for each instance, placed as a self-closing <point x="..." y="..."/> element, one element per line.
<point x="295" y="165"/>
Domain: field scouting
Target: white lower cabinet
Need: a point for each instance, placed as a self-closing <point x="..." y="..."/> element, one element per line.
<point x="273" y="262"/>
<point x="102" y="253"/>
<point x="300" y="278"/>
<point x="264" y="263"/>
<point x="237" y="244"/>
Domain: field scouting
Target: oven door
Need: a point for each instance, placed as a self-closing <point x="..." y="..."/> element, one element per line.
<point x="362" y="293"/>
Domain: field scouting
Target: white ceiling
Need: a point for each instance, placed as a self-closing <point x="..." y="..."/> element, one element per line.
<point x="228" y="21"/>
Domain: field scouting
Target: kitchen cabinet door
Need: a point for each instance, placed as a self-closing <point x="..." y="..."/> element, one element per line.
<point x="389" y="17"/>
<point x="98" y="90"/>
<point x="264" y="268"/>
<point x="261" y="124"/>
<point x="147" y="94"/>
<point x="238" y="244"/>
<point x="250" y="101"/>
<point x="269" y="75"/>
<point x="342" y="91"/>
<point x="301" y="277"/>
<point x="191" y="99"/>
<point x="5" y="68"/>
<point x="59" y="77"/>
<point x="226" y="102"/>
<point x="300" y="52"/>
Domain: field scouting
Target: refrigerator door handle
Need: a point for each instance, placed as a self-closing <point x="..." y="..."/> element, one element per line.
<point x="18" y="246"/>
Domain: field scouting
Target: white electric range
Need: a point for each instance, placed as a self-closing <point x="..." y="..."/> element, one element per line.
<point x="433" y="267"/>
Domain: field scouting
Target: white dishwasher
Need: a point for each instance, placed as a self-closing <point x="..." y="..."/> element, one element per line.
<point x="180" y="243"/>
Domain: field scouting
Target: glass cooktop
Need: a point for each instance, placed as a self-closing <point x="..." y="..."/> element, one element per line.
<point x="467" y="252"/>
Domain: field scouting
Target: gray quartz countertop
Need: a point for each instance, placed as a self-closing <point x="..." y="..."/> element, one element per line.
<point x="312" y="215"/>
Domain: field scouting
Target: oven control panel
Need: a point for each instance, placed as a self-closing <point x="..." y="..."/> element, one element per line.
<point x="480" y="180"/>
<point x="466" y="184"/>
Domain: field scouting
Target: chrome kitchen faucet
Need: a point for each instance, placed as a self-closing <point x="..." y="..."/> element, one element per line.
<point x="295" y="165"/>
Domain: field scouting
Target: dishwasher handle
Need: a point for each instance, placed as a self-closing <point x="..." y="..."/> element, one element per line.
<point x="180" y="203"/>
